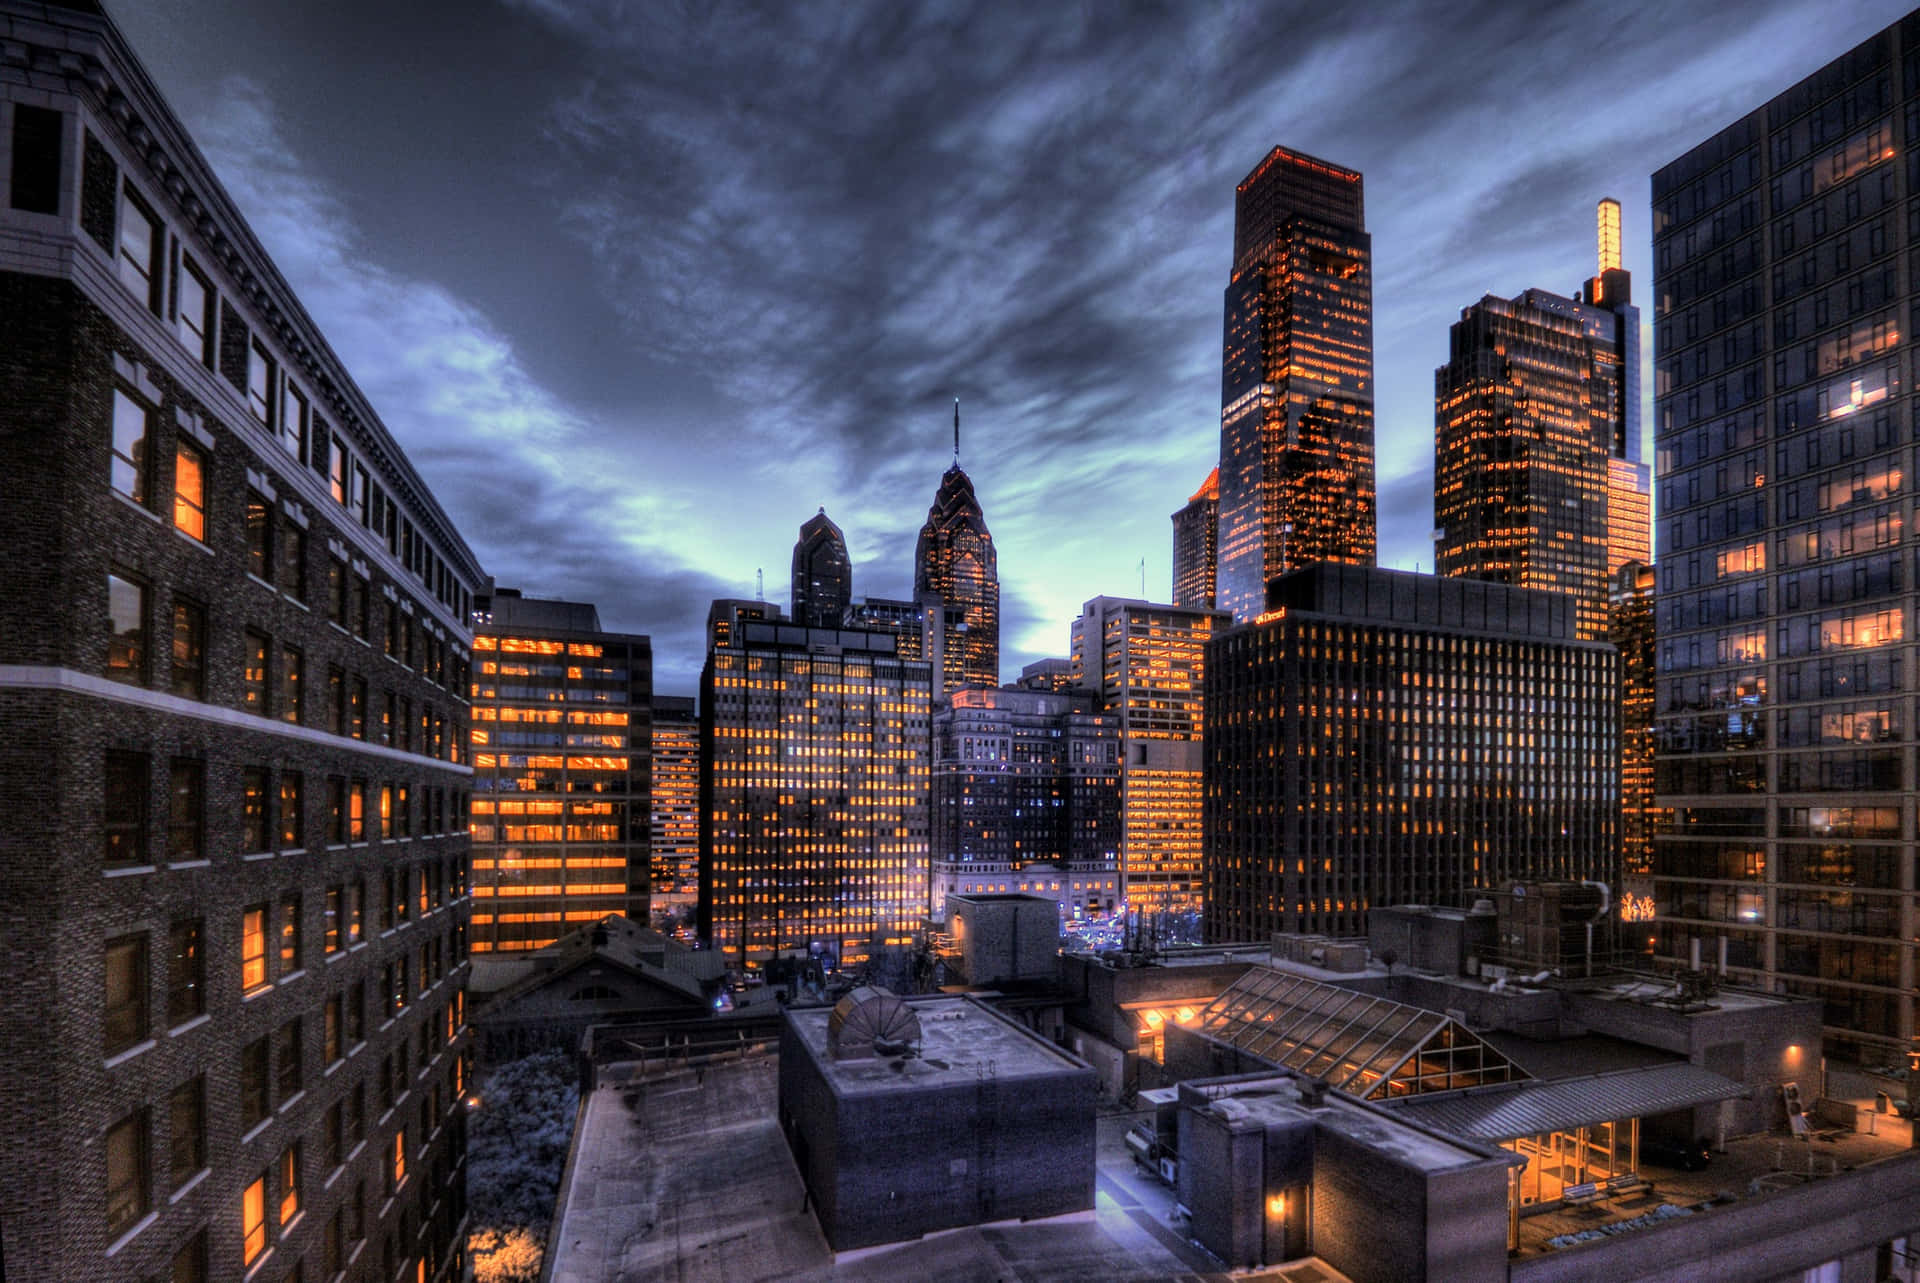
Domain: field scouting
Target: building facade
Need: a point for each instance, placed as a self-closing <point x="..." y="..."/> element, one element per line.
<point x="673" y="792"/>
<point x="1146" y="663"/>
<point x="1194" y="529"/>
<point x="1379" y="737"/>
<point x="822" y="574"/>
<point x="1026" y="787"/>
<point x="561" y="745"/>
<point x="1785" y="606"/>
<point x="1631" y="632"/>
<point x="1296" y="386"/>
<point x="955" y="565"/>
<point x="234" y="660"/>
<point x="813" y="792"/>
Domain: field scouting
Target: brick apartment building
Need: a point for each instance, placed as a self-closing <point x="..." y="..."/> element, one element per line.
<point x="233" y="675"/>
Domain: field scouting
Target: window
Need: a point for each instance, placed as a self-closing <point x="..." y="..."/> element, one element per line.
<point x="357" y="812"/>
<point x="357" y="1019"/>
<point x="357" y="710"/>
<point x="336" y="701"/>
<point x="333" y="1136"/>
<point x="124" y="818"/>
<point x="288" y="1048"/>
<point x="195" y="322"/>
<point x="190" y="1262"/>
<point x="127" y="624"/>
<point x="402" y="813"/>
<point x="293" y="562"/>
<point x="292" y="673"/>
<point x="357" y="594"/>
<point x="292" y="814"/>
<point x="337" y="577"/>
<point x="128" y="1194"/>
<point x="259" y="535"/>
<point x="189" y="650"/>
<point x="336" y="817"/>
<point x="187" y="1129"/>
<point x="253" y="677"/>
<point x="36" y="159"/>
<point x="293" y="421"/>
<point x="253" y="811"/>
<point x="186" y="806"/>
<point x="399" y="1157"/>
<point x="186" y="973"/>
<point x="253" y="1082"/>
<point x="289" y="934"/>
<point x="190" y="490"/>
<point x="130" y="436"/>
<point x="125" y="1017"/>
<point x="253" y="1220"/>
<point x="139" y="250"/>
<point x="386" y="816"/>
<point x="253" y="948"/>
<point x="260" y="380"/>
<point x="331" y="1032"/>
<point x="340" y="476"/>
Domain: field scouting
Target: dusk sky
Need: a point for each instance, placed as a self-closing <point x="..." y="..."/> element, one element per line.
<point x="639" y="287"/>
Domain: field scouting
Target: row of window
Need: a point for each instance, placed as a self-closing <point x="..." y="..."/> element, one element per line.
<point x="273" y="811"/>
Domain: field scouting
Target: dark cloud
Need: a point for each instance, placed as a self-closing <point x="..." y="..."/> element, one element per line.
<point x="642" y="285"/>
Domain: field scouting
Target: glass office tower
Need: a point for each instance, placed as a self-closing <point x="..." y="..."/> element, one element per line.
<point x="1784" y="433"/>
<point x="1296" y="382"/>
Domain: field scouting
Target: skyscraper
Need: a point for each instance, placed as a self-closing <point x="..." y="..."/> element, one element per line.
<point x="1021" y="779"/>
<point x="1145" y="663"/>
<point x="1296" y="385"/>
<point x="1537" y="478"/>
<point x="813" y="790"/>
<point x="1631" y="632"/>
<point x="822" y="575"/>
<point x="1786" y="598"/>
<point x="674" y="796"/>
<point x="1379" y="737"/>
<point x="954" y="559"/>
<point x="1194" y="529"/>
<point x="234" y="657"/>
<point x="561" y="743"/>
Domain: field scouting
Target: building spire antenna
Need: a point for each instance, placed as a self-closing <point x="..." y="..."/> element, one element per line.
<point x="956" y="432"/>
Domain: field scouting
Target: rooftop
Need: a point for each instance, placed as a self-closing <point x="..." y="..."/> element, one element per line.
<point x="1278" y="1099"/>
<point x="960" y="1039"/>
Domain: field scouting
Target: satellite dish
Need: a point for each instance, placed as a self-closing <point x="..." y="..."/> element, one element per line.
<point x="867" y="1017"/>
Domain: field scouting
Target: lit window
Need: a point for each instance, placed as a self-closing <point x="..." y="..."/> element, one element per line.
<point x="259" y="535"/>
<point x="190" y="490"/>
<point x="289" y="1184"/>
<point x="129" y="471"/>
<point x="292" y="812"/>
<point x="253" y="1221"/>
<point x="253" y="948"/>
<point x="189" y="649"/>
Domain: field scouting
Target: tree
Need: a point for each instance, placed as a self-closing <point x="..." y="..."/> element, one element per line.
<point x="516" y="1150"/>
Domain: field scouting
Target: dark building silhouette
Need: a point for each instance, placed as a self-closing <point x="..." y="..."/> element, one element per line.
<point x="1631" y="632"/>
<point x="1379" y="737"/>
<point x="562" y="739"/>
<point x="234" y="663"/>
<point x="1194" y="528"/>
<point x="822" y="575"/>
<point x="1296" y="383"/>
<point x="1538" y="394"/>
<point x="1786" y="599"/>
<point x="954" y="560"/>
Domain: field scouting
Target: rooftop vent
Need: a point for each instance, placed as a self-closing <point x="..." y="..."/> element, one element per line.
<point x="871" y="1022"/>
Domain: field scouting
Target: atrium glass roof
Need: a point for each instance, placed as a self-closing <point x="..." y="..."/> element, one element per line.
<point x="1372" y="1048"/>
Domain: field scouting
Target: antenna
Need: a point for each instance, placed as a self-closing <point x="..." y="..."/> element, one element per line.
<point x="1143" y="578"/>
<point x="759" y="584"/>
<point x="956" y="432"/>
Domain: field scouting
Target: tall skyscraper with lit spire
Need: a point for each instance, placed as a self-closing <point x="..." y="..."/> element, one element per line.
<point x="954" y="560"/>
<point x="1296" y="383"/>
<point x="822" y="575"/>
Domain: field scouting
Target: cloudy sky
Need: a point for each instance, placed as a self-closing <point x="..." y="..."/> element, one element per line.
<point x="641" y="286"/>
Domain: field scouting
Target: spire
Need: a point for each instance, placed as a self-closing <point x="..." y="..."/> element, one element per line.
<point x="1609" y="235"/>
<point x="956" y="432"/>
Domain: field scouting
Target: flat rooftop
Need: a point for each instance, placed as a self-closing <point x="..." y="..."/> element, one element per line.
<point x="684" y="1175"/>
<point x="1277" y="1099"/>
<point x="959" y="1041"/>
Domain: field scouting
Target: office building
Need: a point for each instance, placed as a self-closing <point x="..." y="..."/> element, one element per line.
<point x="1379" y="737"/>
<point x="1631" y="632"/>
<point x="1296" y="386"/>
<point x="561" y="742"/>
<point x="813" y="791"/>
<point x="674" y="797"/>
<point x="234" y="662"/>
<point x="1785" y="606"/>
<point x="1047" y="675"/>
<point x="1026" y="789"/>
<point x="822" y="575"/>
<point x="1194" y="528"/>
<point x="1538" y="393"/>
<point x="954" y="561"/>
<point x="1145" y="664"/>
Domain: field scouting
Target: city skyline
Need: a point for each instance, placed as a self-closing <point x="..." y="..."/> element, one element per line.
<point x="551" y="285"/>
